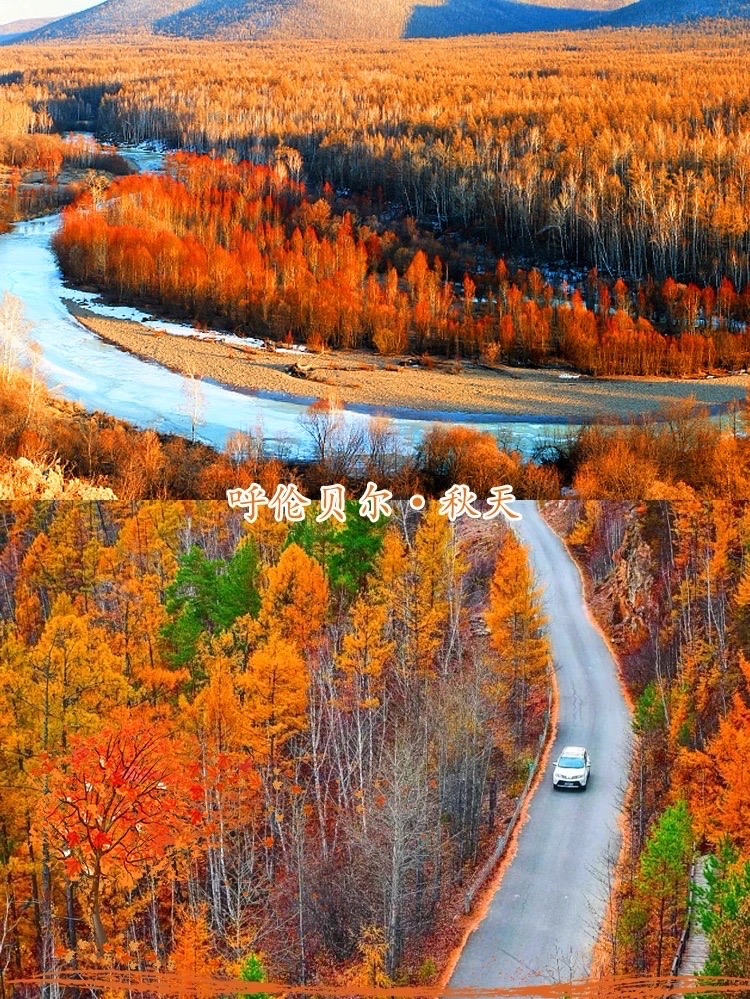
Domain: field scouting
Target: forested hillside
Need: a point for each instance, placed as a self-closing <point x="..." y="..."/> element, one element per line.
<point x="112" y="17"/>
<point x="651" y="12"/>
<point x="243" y="245"/>
<point x="671" y="586"/>
<point x="22" y="26"/>
<point x="625" y="151"/>
<point x="234" y="748"/>
<point x="474" y="17"/>
<point x="345" y="19"/>
<point x="386" y="20"/>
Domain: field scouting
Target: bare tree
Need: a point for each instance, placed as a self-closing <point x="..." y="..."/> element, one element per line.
<point x="321" y="421"/>
<point x="14" y="331"/>
<point x="8" y="944"/>
<point x="193" y="402"/>
<point x="338" y="445"/>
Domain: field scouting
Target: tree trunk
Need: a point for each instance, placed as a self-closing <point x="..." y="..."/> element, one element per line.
<point x="71" y="918"/>
<point x="100" y="936"/>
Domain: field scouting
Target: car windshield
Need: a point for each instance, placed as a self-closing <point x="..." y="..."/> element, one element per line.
<point x="572" y="762"/>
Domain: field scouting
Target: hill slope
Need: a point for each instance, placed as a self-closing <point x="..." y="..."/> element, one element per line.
<point x="384" y="19"/>
<point x="647" y="12"/>
<point x="21" y="27"/>
<point x="110" y="18"/>
<point x="378" y="19"/>
<point x="486" y="16"/>
<point x="238" y="19"/>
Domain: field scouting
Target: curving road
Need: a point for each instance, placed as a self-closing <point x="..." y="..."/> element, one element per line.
<point x="542" y="921"/>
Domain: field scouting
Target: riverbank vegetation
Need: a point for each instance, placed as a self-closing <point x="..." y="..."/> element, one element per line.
<point x="680" y="451"/>
<point x="587" y="212"/>
<point x="299" y="741"/>
<point x="621" y="150"/>
<point x="39" y="170"/>
<point x="615" y="163"/>
<point x="242" y="245"/>
<point x="670" y="583"/>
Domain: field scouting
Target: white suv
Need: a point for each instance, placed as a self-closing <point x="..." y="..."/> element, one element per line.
<point x="572" y="769"/>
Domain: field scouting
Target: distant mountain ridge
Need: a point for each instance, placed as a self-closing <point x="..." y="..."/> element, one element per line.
<point x="383" y="20"/>
<point x="110" y="18"/>
<point x="656" y="12"/>
<point x="23" y="26"/>
<point x="479" y="17"/>
<point x="386" y="19"/>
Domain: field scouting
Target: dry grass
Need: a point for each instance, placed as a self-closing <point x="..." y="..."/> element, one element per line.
<point x="22" y="479"/>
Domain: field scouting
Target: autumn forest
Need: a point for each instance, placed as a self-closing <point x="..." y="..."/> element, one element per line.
<point x="670" y="584"/>
<point x="285" y="750"/>
<point x="303" y="750"/>
<point x="576" y="203"/>
<point x="242" y="244"/>
<point x="590" y="209"/>
<point x="229" y="741"/>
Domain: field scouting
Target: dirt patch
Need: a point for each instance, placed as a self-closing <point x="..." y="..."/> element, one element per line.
<point x="366" y="379"/>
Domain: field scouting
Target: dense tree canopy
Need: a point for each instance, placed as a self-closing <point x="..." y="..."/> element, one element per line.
<point x="242" y="245"/>
<point x="221" y="752"/>
<point x="621" y="150"/>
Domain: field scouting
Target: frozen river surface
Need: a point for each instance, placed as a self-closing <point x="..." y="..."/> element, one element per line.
<point x="99" y="376"/>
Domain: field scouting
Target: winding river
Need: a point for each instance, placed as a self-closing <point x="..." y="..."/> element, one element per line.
<point x="100" y="376"/>
<point x="82" y="368"/>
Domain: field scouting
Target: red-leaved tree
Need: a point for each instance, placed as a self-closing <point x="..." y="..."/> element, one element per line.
<point x="115" y="806"/>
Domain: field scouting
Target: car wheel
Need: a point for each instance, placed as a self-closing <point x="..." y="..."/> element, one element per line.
<point x="584" y="786"/>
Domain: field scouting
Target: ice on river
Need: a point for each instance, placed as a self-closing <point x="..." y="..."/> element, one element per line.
<point x="91" y="301"/>
<point x="83" y="368"/>
<point x="99" y="376"/>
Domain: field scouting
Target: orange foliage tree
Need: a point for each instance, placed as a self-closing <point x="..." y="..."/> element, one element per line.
<point x="113" y="806"/>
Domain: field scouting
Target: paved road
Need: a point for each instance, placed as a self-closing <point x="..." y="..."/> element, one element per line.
<point x="543" y="919"/>
<point x="696" y="951"/>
